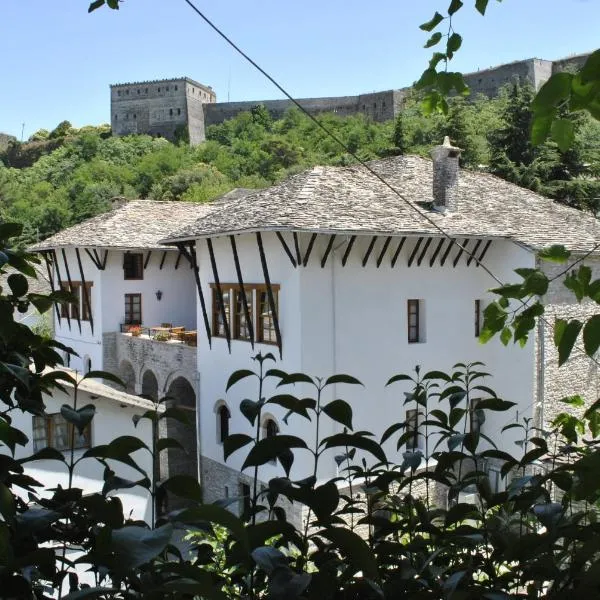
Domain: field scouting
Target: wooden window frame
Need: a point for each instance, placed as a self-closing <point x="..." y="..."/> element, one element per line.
<point x="133" y="266"/>
<point x="228" y="291"/>
<point x="240" y="313"/>
<point x="50" y="423"/>
<point x="262" y="318"/>
<point x="128" y="300"/>
<point x="253" y="296"/>
<point x="79" y="306"/>
<point x="477" y="318"/>
<point x="413" y="309"/>
<point x="412" y="426"/>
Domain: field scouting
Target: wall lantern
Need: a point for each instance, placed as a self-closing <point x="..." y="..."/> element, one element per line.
<point x="158" y="295"/>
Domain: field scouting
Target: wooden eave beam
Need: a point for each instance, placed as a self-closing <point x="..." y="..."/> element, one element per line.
<point x="465" y="246"/>
<point x="411" y="258"/>
<point x="436" y="252"/>
<point x="196" y="269"/>
<point x="327" y="251"/>
<point x="311" y="243"/>
<point x="162" y="260"/>
<point x="286" y="248"/>
<point x="297" y="247"/>
<point x="60" y="282"/>
<point x="424" y="252"/>
<point x="94" y="258"/>
<point x="397" y="253"/>
<point x="483" y="253"/>
<point x="86" y="296"/>
<point x="348" y="250"/>
<point x="70" y="281"/>
<point x="474" y="252"/>
<point x="451" y="243"/>
<point x="270" y="296"/>
<point x="181" y="253"/>
<point x="215" y="271"/>
<point x="51" y="280"/>
<point x="240" y="279"/>
<point x="104" y="259"/>
<point x="383" y="251"/>
<point x="365" y="259"/>
<point x="147" y="259"/>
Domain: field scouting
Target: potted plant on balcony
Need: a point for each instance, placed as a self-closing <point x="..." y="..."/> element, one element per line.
<point x="135" y="330"/>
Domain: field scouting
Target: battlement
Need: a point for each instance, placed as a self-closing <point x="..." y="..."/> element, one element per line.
<point x="182" y="107"/>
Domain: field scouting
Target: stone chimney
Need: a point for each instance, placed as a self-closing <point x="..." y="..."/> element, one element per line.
<point x="445" y="176"/>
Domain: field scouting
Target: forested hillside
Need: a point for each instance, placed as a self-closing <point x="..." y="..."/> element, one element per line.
<point x="61" y="177"/>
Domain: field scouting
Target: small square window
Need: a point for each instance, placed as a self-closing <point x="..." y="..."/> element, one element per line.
<point x="133" y="265"/>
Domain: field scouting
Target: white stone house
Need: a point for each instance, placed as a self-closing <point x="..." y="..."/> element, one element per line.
<point x="335" y="272"/>
<point x="113" y="418"/>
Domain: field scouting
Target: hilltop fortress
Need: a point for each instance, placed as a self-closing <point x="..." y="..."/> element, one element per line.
<point x="183" y="108"/>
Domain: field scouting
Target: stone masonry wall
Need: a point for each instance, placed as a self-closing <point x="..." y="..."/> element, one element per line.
<point x="161" y="107"/>
<point x="579" y="375"/>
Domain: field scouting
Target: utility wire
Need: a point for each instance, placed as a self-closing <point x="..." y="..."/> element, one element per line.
<point x="366" y="166"/>
<point x="340" y="142"/>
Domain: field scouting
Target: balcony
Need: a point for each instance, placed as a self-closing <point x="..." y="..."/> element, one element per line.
<point x="164" y="333"/>
<point x="150" y="353"/>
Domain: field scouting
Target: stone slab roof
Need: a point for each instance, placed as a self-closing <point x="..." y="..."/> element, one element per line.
<point x="106" y="392"/>
<point x="130" y="225"/>
<point x="350" y="200"/>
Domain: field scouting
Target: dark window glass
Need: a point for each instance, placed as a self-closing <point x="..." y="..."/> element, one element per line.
<point x="271" y="429"/>
<point x="224" y="416"/>
<point x="133" y="309"/>
<point x="133" y="266"/>
<point x="412" y="441"/>
<point x="218" y="321"/>
<point x="413" y="321"/>
<point x="53" y="431"/>
<point x="477" y="317"/>
<point x="242" y="327"/>
<point x="266" y="323"/>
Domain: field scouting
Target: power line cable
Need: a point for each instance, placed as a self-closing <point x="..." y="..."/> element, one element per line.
<point x="365" y="165"/>
<point x="340" y="142"/>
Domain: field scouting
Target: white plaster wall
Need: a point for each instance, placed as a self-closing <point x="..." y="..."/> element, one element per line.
<point x="353" y="320"/>
<point x="111" y="421"/>
<point x="178" y="303"/>
<point x="215" y="365"/>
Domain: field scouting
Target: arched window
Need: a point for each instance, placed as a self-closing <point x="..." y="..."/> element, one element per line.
<point x="271" y="428"/>
<point x="223" y="416"/>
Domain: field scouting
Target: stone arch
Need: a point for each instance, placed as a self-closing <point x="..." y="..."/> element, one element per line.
<point x="181" y="389"/>
<point x="269" y="425"/>
<point x="150" y="385"/>
<point x="181" y="394"/>
<point x="127" y="374"/>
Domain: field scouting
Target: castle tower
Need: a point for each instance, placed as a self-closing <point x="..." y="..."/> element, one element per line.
<point x="169" y="108"/>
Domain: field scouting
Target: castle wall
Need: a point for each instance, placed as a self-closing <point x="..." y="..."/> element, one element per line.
<point x="162" y="108"/>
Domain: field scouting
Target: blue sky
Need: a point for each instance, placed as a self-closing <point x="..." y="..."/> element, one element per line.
<point x="59" y="61"/>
